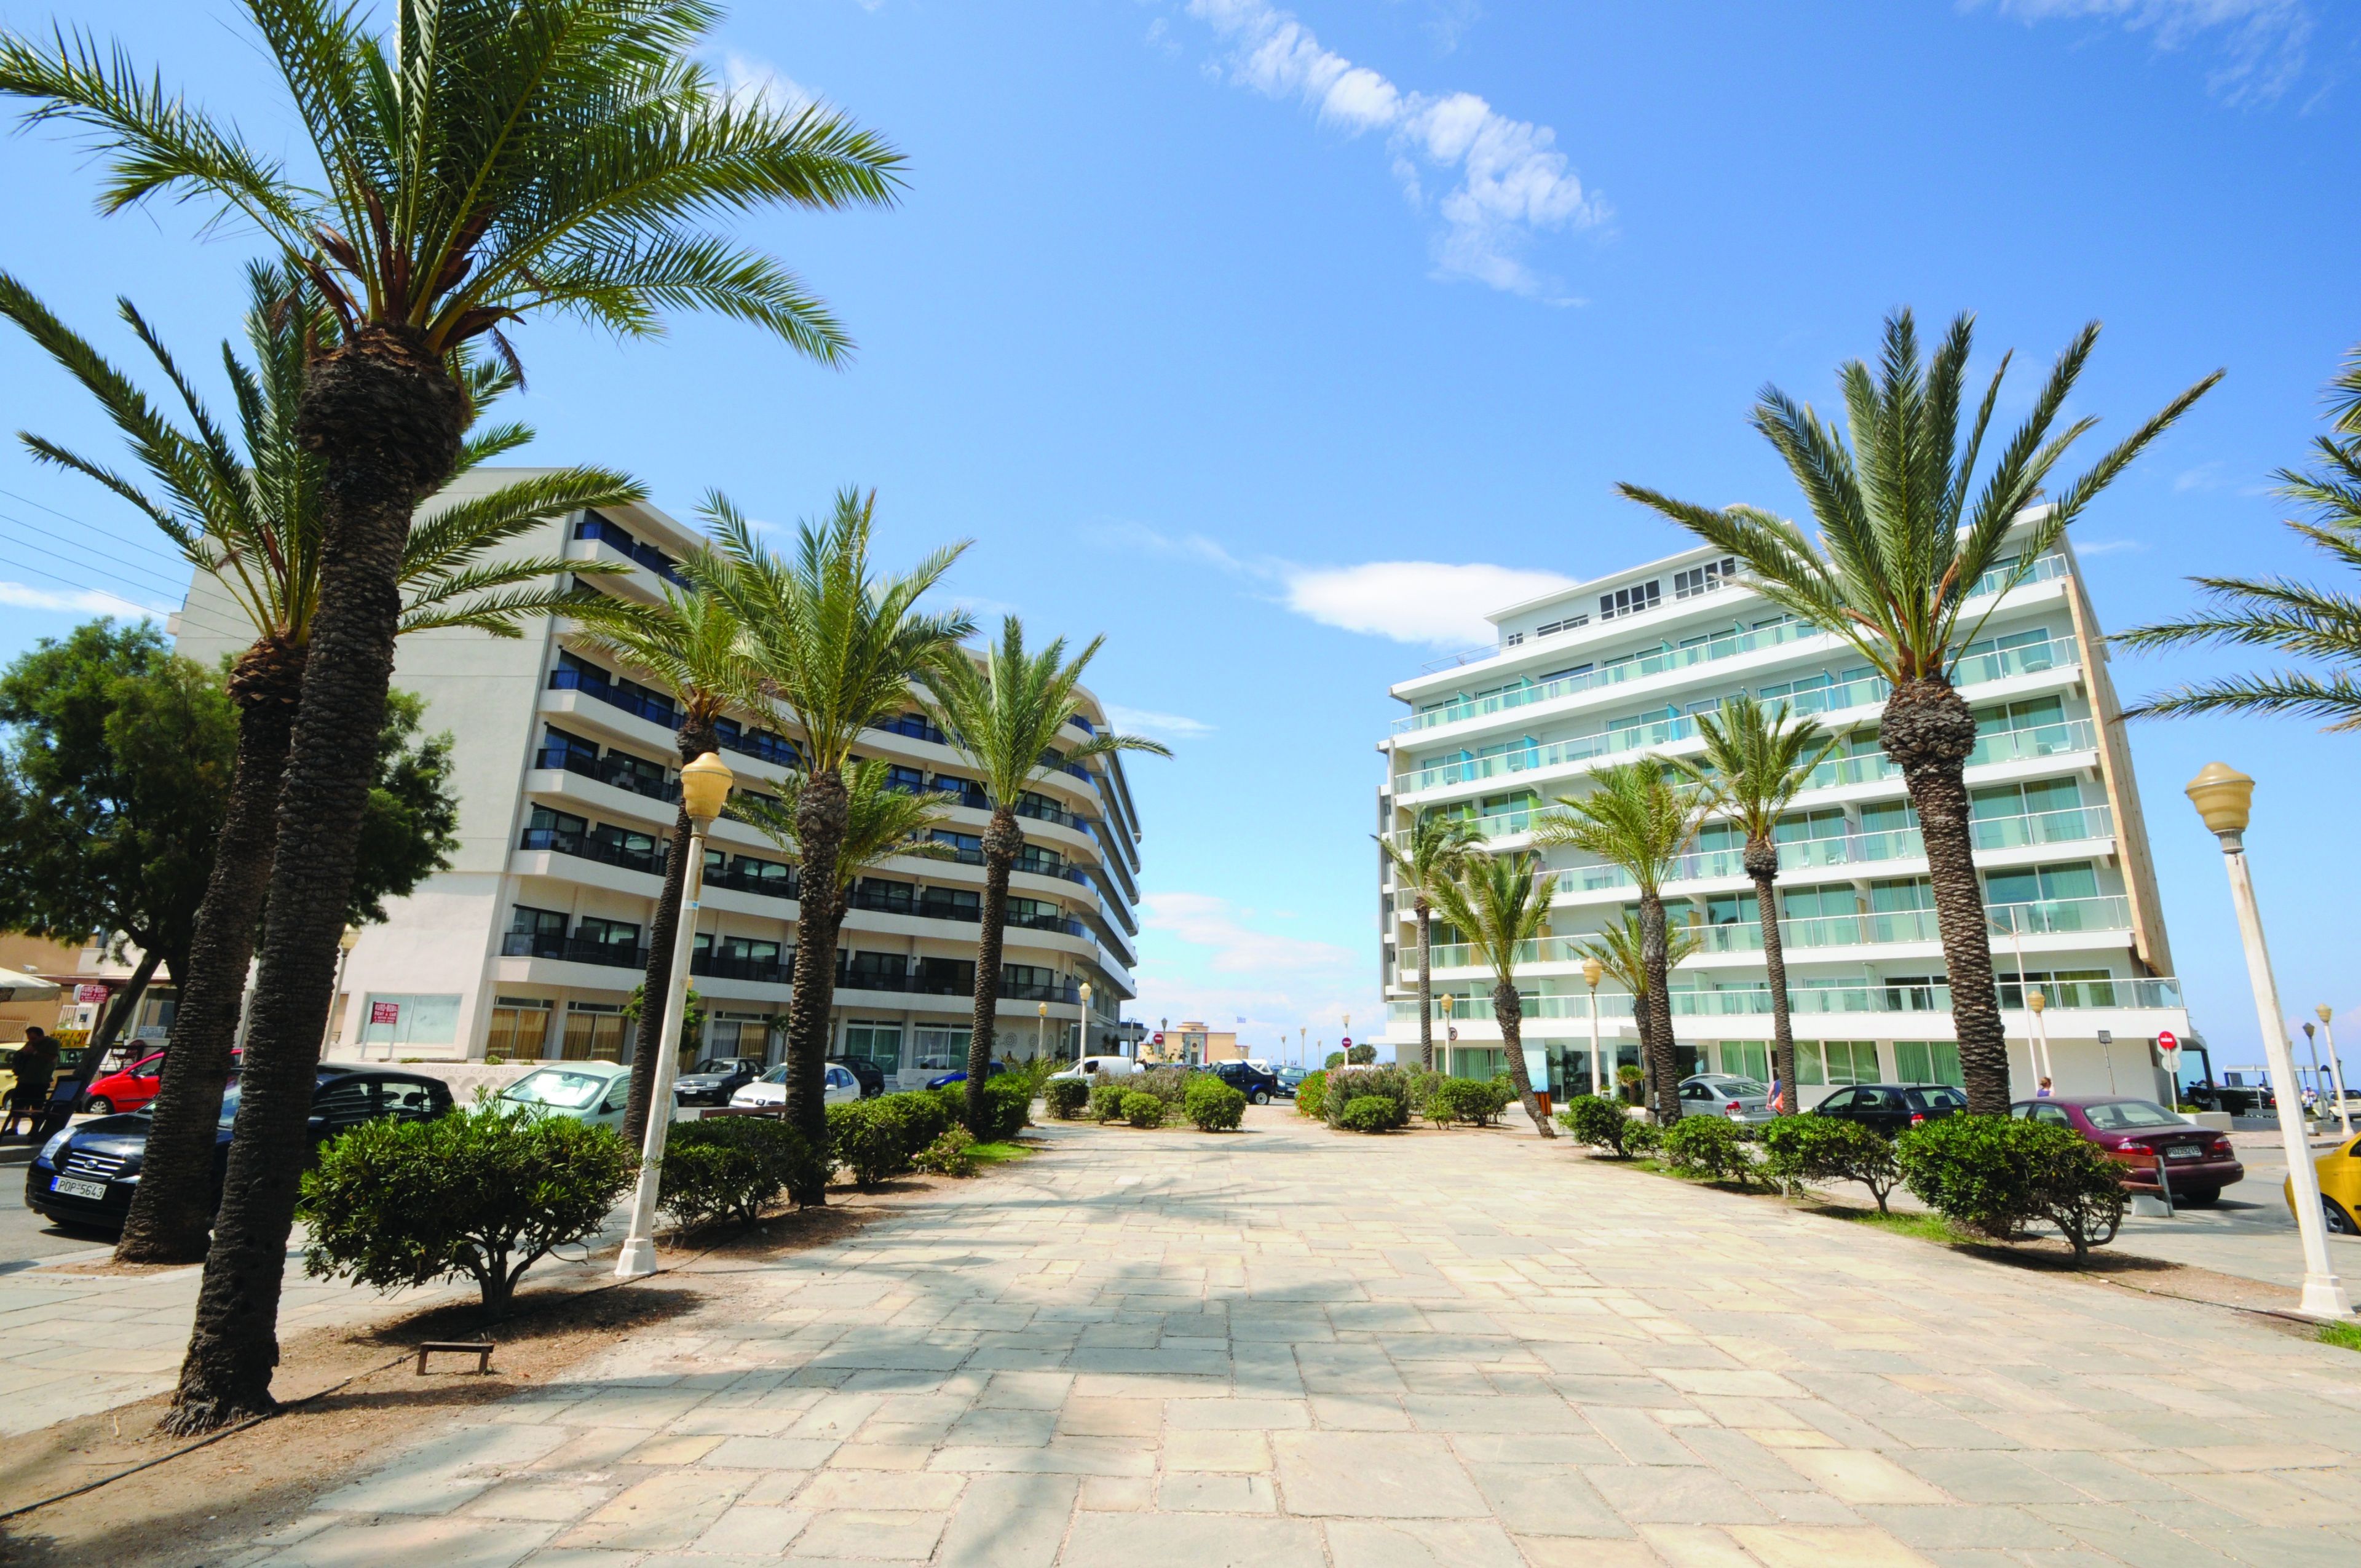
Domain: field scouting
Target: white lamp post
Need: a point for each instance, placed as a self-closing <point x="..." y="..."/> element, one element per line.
<point x="704" y="788"/>
<point x="2335" y="1067"/>
<point x="1082" y="1033"/>
<point x="2038" y="1004"/>
<point x="2225" y="798"/>
<point x="2312" y="1047"/>
<point x="1042" y="1030"/>
<point x="1592" y="973"/>
<point x="1450" y="1035"/>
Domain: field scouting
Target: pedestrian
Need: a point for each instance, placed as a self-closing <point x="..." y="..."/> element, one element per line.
<point x="36" y="1064"/>
<point x="2045" y="1091"/>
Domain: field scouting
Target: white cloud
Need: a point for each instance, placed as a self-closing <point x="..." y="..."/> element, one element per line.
<point x="76" y="601"/>
<point x="1203" y="957"/>
<point x="1162" y="726"/>
<point x="2263" y="39"/>
<point x="1172" y="547"/>
<point x="1414" y="601"/>
<point x="2108" y="546"/>
<point x="1509" y="180"/>
<point x="746" y="79"/>
<point x="2204" y="476"/>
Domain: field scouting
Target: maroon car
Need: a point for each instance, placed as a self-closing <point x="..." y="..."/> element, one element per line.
<point x="2198" y="1161"/>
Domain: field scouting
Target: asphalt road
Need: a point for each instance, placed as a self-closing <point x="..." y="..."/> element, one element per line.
<point x="26" y="1237"/>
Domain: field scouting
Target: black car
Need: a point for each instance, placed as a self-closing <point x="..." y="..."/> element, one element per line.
<point x="867" y="1073"/>
<point x="1260" y="1088"/>
<point x="86" y="1175"/>
<point x="713" y="1081"/>
<point x="1892" y="1108"/>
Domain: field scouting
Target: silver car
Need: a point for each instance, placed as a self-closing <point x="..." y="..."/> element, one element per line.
<point x="1742" y="1099"/>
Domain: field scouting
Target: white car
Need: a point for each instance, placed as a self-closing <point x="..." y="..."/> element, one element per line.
<point x="591" y="1091"/>
<point x="839" y="1087"/>
<point x="1094" y="1069"/>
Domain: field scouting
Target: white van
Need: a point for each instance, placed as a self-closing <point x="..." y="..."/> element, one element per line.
<point x="1097" y="1070"/>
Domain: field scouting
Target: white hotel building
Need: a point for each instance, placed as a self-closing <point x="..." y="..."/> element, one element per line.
<point x="1616" y="669"/>
<point x="567" y="778"/>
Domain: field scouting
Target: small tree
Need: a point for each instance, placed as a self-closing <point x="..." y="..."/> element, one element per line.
<point x="1998" y="1174"/>
<point x="1431" y="854"/>
<point x="1598" y="1123"/>
<point x="1214" y="1105"/>
<point x="1500" y="903"/>
<point x="1828" y="1149"/>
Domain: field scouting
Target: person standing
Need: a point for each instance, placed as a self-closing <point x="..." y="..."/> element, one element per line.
<point x="37" y="1064"/>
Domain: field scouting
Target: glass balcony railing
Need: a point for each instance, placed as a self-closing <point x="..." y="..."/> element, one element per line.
<point x="2052" y="916"/>
<point x="587" y="846"/>
<point x="614" y="769"/>
<point x="613" y="955"/>
<point x="1656" y="661"/>
<point x="763" y="970"/>
<point x="1808" y="1000"/>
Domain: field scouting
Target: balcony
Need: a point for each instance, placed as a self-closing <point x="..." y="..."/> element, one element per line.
<point x="744" y="875"/>
<point x="617" y="694"/>
<point x="611" y="769"/>
<point x="2155" y="993"/>
<point x="605" y="851"/>
<point x="2074" y="824"/>
<point x="780" y="971"/>
<point x="613" y="954"/>
<point x="1041" y="809"/>
<point x="616" y="537"/>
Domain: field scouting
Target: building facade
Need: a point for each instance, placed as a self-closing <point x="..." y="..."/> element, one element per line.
<point x="1619" y="668"/>
<point x="530" y="945"/>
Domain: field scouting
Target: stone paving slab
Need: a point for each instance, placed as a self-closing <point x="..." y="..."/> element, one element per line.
<point x="1291" y="1350"/>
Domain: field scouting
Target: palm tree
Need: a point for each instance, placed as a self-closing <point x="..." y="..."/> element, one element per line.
<point x="835" y="649"/>
<point x="1005" y="717"/>
<point x="1755" y="764"/>
<point x="693" y="646"/>
<point x="1900" y="551"/>
<point x="881" y="820"/>
<point x="1499" y="902"/>
<point x="1638" y="818"/>
<point x="488" y="162"/>
<point x="2294" y="617"/>
<point x="1621" y="950"/>
<point x="1437" y="846"/>
<point x="246" y="509"/>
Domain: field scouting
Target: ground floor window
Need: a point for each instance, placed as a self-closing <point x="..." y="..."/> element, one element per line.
<point x="594" y="1031"/>
<point x="940" y="1049"/>
<point x="393" y="1021"/>
<point x="1747" y="1059"/>
<point x="737" y="1034"/>
<point x="1928" y="1061"/>
<point x="1482" y="1063"/>
<point x="1836" y="1061"/>
<point x="1572" y="1067"/>
<point x="876" y="1042"/>
<point x="520" y="1029"/>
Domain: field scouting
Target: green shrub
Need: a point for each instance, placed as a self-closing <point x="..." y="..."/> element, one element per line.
<point x="1361" y="1056"/>
<point x="1347" y="1084"/>
<point x="1370" y="1113"/>
<point x="1998" y="1175"/>
<point x="952" y="1154"/>
<point x="724" y="1166"/>
<point x="1335" y="1060"/>
<point x="1169" y="1084"/>
<point x="1599" y="1122"/>
<point x="1311" y="1094"/>
<point x="1214" y="1105"/>
<point x="1007" y="1110"/>
<point x="864" y="1144"/>
<point x="1142" y="1109"/>
<point x="1828" y="1149"/>
<point x="1478" y="1103"/>
<point x="920" y="1116"/>
<point x="486" y="1191"/>
<point x="1066" y="1097"/>
<point x="1106" y="1101"/>
<point x="1711" y="1146"/>
<point x="1642" y="1139"/>
<point x="1421" y="1084"/>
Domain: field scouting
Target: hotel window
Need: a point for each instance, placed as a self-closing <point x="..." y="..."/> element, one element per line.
<point x="1549" y="628"/>
<point x="1747" y="1059"/>
<point x="1704" y="579"/>
<point x="594" y="1032"/>
<point x="596" y="930"/>
<point x="1836" y="1062"/>
<point x="1631" y="600"/>
<point x="1928" y="1061"/>
<point x="520" y="1028"/>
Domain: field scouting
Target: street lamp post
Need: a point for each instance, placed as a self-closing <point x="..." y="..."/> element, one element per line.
<point x="1450" y="1035"/>
<point x="2225" y="799"/>
<point x="704" y="788"/>
<point x="1083" y="1030"/>
<point x="2335" y="1067"/>
<point x="1347" y="1037"/>
<point x="2038" y="1004"/>
<point x="346" y="943"/>
<point x="2312" y="1045"/>
<point x="1042" y="1030"/>
<point x="1592" y="973"/>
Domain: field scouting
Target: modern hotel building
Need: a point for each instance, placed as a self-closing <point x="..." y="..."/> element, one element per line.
<point x="530" y="943"/>
<point x="1616" y="669"/>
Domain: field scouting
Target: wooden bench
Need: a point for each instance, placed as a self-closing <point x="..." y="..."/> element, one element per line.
<point x="480" y="1349"/>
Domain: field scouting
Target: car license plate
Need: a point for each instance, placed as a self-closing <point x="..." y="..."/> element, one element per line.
<point x="72" y="1189"/>
<point x="2183" y="1151"/>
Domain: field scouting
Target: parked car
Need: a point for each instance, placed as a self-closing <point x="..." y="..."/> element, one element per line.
<point x="998" y="1067"/>
<point x="2237" y="1099"/>
<point x="131" y="1088"/>
<point x="713" y="1081"/>
<point x="592" y="1092"/>
<point x="867" y="1073"/>
<point x="86" y="1175"/>
<point x="837" y="1087"/>
<point x="2340" y="1188"/>
<point x="1092" y="1069"/>
<point x="1893" y="1108"/>
<point x="1291" y="1078"/>
<point x="1740" y="1100"/>
<point x="2198" y="1161"/>
<point x="1258" y="1086"/>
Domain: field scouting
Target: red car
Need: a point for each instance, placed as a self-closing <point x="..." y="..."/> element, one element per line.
<point x="2198" y="1161"/>
<point x="135" y="1086"/>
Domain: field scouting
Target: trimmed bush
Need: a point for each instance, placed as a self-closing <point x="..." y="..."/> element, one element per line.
<point x="865" y="1144"/>
<point x="918" y="1117"/>
<point x="1066" y="1097"/>
<point x="1350" y="1083"/>
<point x="1371" y="1114"/>
<point x="1478" y="1103"/>
<point x="1106" y="1101"/>
<point x="1642" y="1139"/>
<point x="1998" y="1175"/>
<point x="1335" y="1060"/>
<point x="1311" y="1094"/>
<point x="1214" y="1105"/>
<point x="487" y="1191"/>
<point x="1711" y="1146"/>
<point x="1142" y="1109"/>
<point x="952" y="1154"/>
<point x="1362" y="1056"/>
<point x="1007" y="1110"/>
<point x="1169" y="1084"/>
<point x="1827" y="1148"/>
<point x="730" y="1166"/>
<point x="1599" y="1122"/>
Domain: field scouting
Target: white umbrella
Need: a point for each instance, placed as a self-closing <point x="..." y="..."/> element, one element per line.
<point x="26" y="987"/>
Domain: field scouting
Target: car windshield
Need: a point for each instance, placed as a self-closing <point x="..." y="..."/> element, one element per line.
<point x="556" y="1086"/>
<point x="717" y="1064"/>
<point x="2123" y="1116"/>
<point x="1950" y="1097"/>
<point x="1737" y="1086"/>
<point x="776" y="1075"/>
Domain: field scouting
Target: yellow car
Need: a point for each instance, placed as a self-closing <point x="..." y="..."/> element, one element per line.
<point x="2340" y="1188"/>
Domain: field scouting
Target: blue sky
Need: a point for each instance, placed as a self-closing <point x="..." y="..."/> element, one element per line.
<point x="1202" y="317"/>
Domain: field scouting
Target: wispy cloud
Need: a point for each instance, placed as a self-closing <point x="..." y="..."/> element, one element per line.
<point x="1160" y="726"/>
<point x="1202" y="957"/>
<point x="1507" y="182"/>
<point x="2262" y="41"/>
<point x="2090" y="547"/>
<point x="76" y="601"/>
<point x="1448" y="22"/>
<point x="745" y="79"/>
<point x="2204" y="476"/>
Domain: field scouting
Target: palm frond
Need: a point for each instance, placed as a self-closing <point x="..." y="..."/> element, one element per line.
<point x="1499" y="902"/>
<point x="1633" y="816"/>
<point x="881" y="822"/>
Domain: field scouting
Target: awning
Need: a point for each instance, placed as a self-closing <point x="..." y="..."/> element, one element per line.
<point x="15" y="987"/>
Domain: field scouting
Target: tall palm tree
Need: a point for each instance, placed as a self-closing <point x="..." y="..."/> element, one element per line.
<point x="1006" y="716"/>
<point x="1901" y="550"/>
<point x="2321" y="625"/>
<point x="487" y="161"/>
<point x="694" y="646"/>
<point x="836" y="647"/>
<point x="1638" y="818"/>
<point x="881" y="821"/>
<point x="1499" y="902"/>
<point x="1754" y="765"/>
<point x="242" y="506"/>
<point x="1437" y="846"/>
<point x="1621" y="950"/>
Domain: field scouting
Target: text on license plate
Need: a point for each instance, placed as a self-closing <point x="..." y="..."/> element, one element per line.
<point x="2183" y="1151"/>
<point x="72" y="1189"/>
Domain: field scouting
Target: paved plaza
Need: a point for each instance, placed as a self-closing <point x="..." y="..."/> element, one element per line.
<point x="1291" y="1350"/>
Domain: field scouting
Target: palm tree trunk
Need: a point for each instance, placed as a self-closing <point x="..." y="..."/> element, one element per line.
<point x="1928" y="730"/>
<point x="820" y="817"/>
<point x="1002" y="839"/>
<point x="1425" y="986"/>
<point x="1663" y="1079"/>
<point x="386" y="418"/>
<point x="1762" y="862"/>
<point x="121" y="1011"/>
<point x="172" y="1211"/>
<point x="1509" y="1009"/>
<point x="692" y="742"/>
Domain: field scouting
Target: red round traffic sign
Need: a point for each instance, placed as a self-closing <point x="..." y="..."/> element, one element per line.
<point x="1349" y="1042"/>
<point x="2166" y="1040"/>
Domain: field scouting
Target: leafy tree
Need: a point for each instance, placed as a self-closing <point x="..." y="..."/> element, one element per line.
<point x="485" y="162"/>
<point x="1637" y="817"/>
<point x="1499" y="904"/>
<point x="1831" y="1148"/>
<point x="1901" y="551"/>
<point x="2317" y="624"/>
<point x="1437" y="846"/>
<point x="1754" y="765"/>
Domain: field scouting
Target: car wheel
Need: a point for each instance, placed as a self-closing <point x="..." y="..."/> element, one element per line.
<point x="2333" y="1214"/>
<point x="1259" y="1097"/>
<point x="2199" y="1197"/>
<point x="99" y="1105"/>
